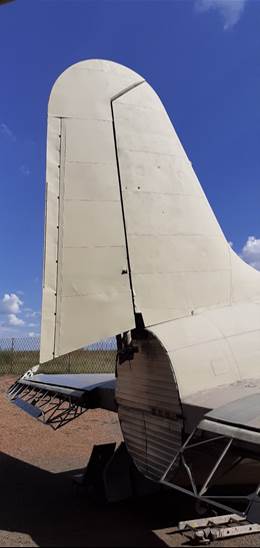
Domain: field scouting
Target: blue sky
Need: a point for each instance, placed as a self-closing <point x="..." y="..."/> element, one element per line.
<point x="201" y="56"/>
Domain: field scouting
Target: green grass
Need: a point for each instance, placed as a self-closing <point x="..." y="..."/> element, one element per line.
<point x="80" y="361"/>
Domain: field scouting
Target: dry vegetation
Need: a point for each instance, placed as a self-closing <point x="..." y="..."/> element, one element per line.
<point x="80" y="361"/>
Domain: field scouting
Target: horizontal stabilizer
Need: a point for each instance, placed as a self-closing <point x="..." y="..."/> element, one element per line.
<point x="239" y="420"/>
<point x="58" y="399"/>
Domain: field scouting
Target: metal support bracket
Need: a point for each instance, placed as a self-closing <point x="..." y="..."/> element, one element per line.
<point x="203" y="531"/>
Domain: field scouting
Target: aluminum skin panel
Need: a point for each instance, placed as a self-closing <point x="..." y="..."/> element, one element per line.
<point x="80" y="381"/>
<point x="180" y="261"/>
<point x="84" y="90"/>
<point x="244" y="412"/>
<point x="90" y="228"/>
<point x="214" y="348"/>
<point x="85" y="295"/>
<point x="126" y="184"/>
<point x="182" y="267"/>
<point x="196" y="405"/>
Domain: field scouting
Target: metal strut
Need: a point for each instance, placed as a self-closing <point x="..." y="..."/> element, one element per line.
<point x="250" y="502"/>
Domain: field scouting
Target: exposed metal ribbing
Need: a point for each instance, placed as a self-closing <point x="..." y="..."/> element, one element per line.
<point x="147" y="402"/>
<point x="149" y="408"/>
<point x="140" y="375"/>
<point x="153" y="468"/>
<point x="160" y="448"/>
<point x="163" y="442"/>
<point x="172" y="426"/>
<point x="133" y="415"/>
<point x="152" y="389"/>
<point x="152" y="385"/>
<point x="170" y="440"/>
<point x="153" y="403"/>
<point x="170" y="436"/>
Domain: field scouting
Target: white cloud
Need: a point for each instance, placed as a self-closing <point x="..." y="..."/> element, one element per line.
<point x="14" y="320"/>
<point x="10" y="304"/>
<point x="251" y="252"/>
<point x="230" y="10"/>
<point x="13" y="317"/>
<point x="7" y="132"/>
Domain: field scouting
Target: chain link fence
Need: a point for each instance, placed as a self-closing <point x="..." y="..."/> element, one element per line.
<point x="17" y="355"/>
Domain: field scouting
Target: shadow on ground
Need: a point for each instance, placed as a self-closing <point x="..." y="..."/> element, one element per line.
<point x="47" y="507"/>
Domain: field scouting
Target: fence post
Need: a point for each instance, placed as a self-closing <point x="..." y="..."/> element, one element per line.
<point x="69" y="362"/>
<point x="12" y="355"/>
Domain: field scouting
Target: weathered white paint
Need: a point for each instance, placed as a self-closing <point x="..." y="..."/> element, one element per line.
<point x="195" y="294"/>
<point x="85" y="296"/>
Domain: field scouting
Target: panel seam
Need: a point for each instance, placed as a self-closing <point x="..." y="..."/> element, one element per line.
<point x="120" y="187"/>
<point x="57" y="326"/>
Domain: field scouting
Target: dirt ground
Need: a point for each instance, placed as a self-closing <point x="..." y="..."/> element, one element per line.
<point x="39" y="505"/>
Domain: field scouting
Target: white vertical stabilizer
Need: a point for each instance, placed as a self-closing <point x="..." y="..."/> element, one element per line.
<point x="128" y="226"/>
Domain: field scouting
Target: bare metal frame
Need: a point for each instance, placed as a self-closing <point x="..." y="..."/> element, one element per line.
<point x="56" y="410"/>
<point x="200" y="493"/>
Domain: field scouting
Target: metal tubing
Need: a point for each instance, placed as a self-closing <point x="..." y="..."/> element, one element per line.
<point x="205" y="500"/>
<point x="177" y="454"/>
<point x="205" y="486"/>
